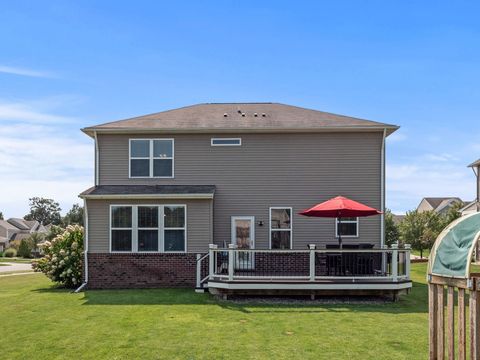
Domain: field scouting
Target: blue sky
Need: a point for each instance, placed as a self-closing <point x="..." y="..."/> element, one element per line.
<point x="68" y="64"/>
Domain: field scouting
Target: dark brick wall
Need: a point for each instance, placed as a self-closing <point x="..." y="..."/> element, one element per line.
<point x="110" y="271"/>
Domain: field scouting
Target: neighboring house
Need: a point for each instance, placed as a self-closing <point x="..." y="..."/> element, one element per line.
<point x="397" y="219"/>
<point x="18" y="229"/>
<point x="440" y="205"/>
<point x="167" y="185"/>
<point x="474" y="206"/>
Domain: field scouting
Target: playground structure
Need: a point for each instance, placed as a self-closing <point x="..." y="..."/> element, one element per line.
<point x="450" y="271"/>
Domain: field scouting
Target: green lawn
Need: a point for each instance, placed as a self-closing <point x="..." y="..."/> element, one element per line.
<point x="41" y="322"/>
<point x="15" y="259"/>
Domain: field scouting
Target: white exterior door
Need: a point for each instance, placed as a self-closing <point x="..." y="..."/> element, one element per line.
<point x="243" y="235"/>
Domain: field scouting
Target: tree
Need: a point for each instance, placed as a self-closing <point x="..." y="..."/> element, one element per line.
<point x="45" y="211"/>
<point x="25" y="248"/>
<point x="1" y="215"/>
<point x="453" y="213"/>
<point x="74" y="216"/>
<point x="392" y="235"/>
<point x="420" y="229"/>
<point x="54" y="232"/>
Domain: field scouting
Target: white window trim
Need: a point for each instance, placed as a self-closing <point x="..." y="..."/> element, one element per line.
<point x="213" y="139"/>
<point x="134" y="229"/>
<point x="270" y="224"/>
<point x="150" y="158"/>
<point x="348" y="222"/>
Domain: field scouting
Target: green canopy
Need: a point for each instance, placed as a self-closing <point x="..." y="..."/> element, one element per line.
<point x="452" y="253"/>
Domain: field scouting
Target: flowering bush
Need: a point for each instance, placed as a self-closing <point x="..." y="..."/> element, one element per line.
<point x="63" y="257"/>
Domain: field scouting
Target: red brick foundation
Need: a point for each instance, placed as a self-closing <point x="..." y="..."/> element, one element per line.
<point x="115" y="271"/>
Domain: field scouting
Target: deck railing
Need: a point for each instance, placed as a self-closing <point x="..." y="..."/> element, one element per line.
<point x="233" y="264"/>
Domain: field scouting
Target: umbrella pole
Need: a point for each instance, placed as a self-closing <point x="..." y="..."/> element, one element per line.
<point x="339" y="227"/>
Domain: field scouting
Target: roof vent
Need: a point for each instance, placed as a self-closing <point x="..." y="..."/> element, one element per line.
<point x="255" y="114"/>
<point x="225" y="115"/>
<point x="243" y="114"/>
<point x="239" y="111"/>
<point x="263" y="114"/>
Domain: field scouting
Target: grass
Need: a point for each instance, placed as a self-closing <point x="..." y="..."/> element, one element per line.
<point x="44" y="323"/>
<point x="15" y="260"/>
<point x="426" y="253"/>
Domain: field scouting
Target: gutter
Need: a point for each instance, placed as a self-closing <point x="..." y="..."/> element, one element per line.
<point x="92" y="131"/>
<point x="147" y="196"/>
<point x="85" y="259"/>
<point x="382" y="191"/>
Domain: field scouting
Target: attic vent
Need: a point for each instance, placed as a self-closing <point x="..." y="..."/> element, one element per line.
<point x="263" y="114"/>
<point x="255" y="114"/>
<point x="225" y="115"/>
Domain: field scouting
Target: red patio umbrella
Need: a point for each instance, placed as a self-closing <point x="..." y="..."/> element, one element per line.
<point x="339" y="207"/>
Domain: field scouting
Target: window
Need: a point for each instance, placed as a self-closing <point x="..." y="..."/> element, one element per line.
<point x="121" y="224"/>
<point x="226" y="142"/>
<point x="280" y="228"/>
<point x="348" y="227"/>
<point x="174" y="228"/>
<point x="151" y="158"/>
<point x="148" y="228"/>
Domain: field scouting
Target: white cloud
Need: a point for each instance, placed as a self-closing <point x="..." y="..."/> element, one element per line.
<point x="407" y="184"/>
<point x="440" y="157"/>
<point x="41" y="154"/>
<point x="29" y="113"/>
<point x="24" y="72"/>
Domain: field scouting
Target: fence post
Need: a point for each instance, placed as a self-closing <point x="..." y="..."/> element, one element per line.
<point x="394" y="262"/>
<point x="231" y="260"/>
<point x="407" y="261"/>
<point x="211" y="260"/>
<point x="432" y="319"/>
<point x="474" y="321"/>
<point x="312" y="261"/>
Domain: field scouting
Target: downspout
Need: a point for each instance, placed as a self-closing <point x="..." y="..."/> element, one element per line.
<point x="85" y="259"/>
<point x="97" y="176"/>
<point x="478" y="188"/>
<point x="382" y="191"/>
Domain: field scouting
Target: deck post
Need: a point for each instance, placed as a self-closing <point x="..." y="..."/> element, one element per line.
<point x="474" y="322"/>
<point x="211" y="260"/>
<point x="394" y="262"/>
<point x="407" y="260"/>
<point x="312" y="261"/>
<point x="199" y="270"/>
<point x="231" y="260"/>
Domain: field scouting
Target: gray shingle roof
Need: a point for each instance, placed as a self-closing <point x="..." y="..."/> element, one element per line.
<point x="475" y="163"/>
<point x="119" y="190"/>
<point x="239" y="117"/>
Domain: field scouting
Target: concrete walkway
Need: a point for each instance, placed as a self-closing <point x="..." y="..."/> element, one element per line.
<point x="14" y="267"/>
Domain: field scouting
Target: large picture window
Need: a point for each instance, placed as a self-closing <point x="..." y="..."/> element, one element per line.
<point x="151" y="158"/>
<point x="347" y="227"/>
<point x="280" y="228"/>
<point x="148" y="228"/>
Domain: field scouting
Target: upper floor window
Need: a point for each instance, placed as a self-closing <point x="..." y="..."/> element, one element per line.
<point x="280" y="228"/>
<point x="151" y="158"/>
<point x="226" y="141"/>
<point x="347" y="227"/>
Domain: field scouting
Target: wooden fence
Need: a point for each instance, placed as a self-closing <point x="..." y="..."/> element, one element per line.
<point x="442" y="313"/>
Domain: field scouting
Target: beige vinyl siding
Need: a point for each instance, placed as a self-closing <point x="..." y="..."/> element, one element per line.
<point x="291" y="170"/>
<point x="199" y="220"/>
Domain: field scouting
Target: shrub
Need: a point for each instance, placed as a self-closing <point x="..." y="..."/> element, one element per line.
<point x="63" y="257"/>
<point x="1" y="253"/>
<point x="10" y="252"/>
<point x="25" y="249"/>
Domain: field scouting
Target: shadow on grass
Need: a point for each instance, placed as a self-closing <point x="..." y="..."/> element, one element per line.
<point x="415" y="302"/>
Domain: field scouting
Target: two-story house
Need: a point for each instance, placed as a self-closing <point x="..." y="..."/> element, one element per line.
<point x="169" y="184"/>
